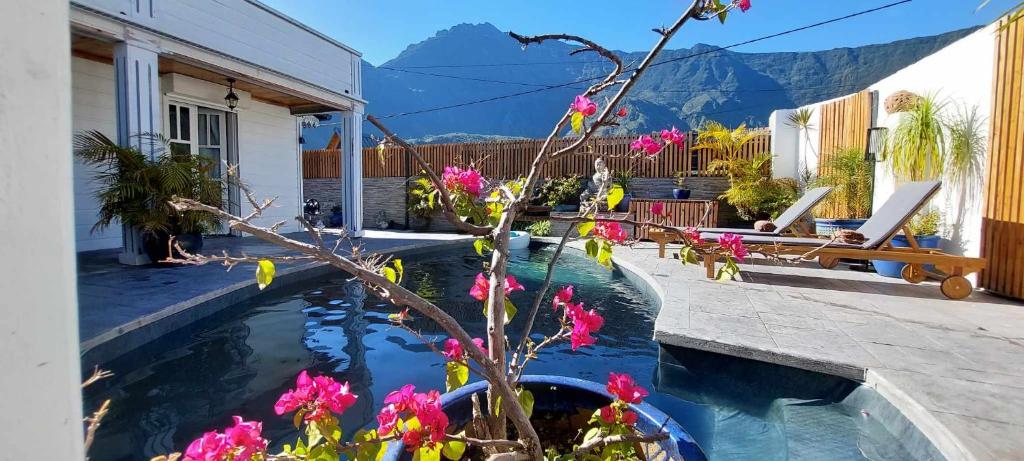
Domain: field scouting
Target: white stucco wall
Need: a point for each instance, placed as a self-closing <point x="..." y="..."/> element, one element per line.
<point x="961" y="74"/>
<point x="92" y="108"/>
<point x="41" y="407"/>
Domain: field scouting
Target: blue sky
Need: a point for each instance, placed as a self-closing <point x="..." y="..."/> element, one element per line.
<point x="381" y="29"/>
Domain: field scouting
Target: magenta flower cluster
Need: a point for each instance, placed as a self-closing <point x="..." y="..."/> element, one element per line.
<point x="733" y="243"/>
<point x="611" y="231"/>
<point x="468" y="181"/>
<point x="425" y="407"/>
<point x="317" y="397"/>
<point x="483" y="285"/>
<point x="240" y="442"/>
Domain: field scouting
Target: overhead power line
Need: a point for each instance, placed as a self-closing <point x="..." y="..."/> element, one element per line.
<point x="667" y="61"/>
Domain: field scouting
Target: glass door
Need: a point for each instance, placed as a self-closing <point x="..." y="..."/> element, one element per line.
<point x="210" y="137"/>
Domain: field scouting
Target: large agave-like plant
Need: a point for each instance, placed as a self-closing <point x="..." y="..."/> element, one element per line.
<point x="915" y="148"/>
<point x="965" y="154"/>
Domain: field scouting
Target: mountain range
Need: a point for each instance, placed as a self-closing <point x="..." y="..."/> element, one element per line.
<point x="479" y="62"/>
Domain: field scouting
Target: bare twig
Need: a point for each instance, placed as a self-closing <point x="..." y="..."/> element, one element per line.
<point x="599" y="442"/>
<point x="97" y="374"/>
<point x="514" y="444"/>
<point x="94" y="425"/>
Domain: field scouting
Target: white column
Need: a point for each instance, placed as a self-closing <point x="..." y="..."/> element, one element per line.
<point x="352" y="170"/>
<point x="785" y="146"/>
<point x="137" y="92"/>
<point x="41" y="407"/>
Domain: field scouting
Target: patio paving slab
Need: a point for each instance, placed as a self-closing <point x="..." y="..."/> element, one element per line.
<point x="953" y="368"/>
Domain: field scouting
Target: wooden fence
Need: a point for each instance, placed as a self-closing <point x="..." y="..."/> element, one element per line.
<point x="1002" y="222"/>
<point x="844" y="124"/>
<point x="682" y="213"/>
<point x="509" y="159"/>
<point x="321" y="163"/>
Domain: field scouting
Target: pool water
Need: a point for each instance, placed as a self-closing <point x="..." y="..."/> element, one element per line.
<point x="240" y="360"/>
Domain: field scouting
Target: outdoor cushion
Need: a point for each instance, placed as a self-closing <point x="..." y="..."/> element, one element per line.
<point x="809" y="242"/>
<point x="797" y="210"/>
<point x="895" y="212"/>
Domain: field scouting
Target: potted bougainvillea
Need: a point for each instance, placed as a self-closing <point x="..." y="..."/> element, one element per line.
<point x="503" y="414"/>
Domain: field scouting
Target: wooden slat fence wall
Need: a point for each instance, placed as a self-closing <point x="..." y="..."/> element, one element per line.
<point x="1002" y="222"/>
<point x="321" y="163"/>
<point x="512" y="158"/>
<point x="683" y="213"/>
<point x="844" y="124"/>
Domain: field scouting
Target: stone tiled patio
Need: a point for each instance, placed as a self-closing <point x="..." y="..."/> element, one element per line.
<point x="954" y="368"/>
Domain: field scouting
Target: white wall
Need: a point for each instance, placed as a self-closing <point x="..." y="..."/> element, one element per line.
<point x="41" y="404"/>
<point x="92" y="108"/>
<point x="269" y="161"/>
<point x="961" y="73"/>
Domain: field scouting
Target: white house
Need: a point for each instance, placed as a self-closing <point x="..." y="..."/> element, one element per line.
<point x="163" y="66"/>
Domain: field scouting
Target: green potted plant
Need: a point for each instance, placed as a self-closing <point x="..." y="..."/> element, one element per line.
<point x="752" y="190"/>
<point x="849" y="204"/>
<point x="562" y="194"/>
<point x="137" y="190"/>
<point x="423" y="200"/>
<point x="925" y="229"/>
<point x="624" y="178"/>
<point x="680" y="192"/>
<point x="915" y="149"/>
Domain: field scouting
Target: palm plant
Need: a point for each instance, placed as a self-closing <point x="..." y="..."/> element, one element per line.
<point x="965" y="154"/>
<point x="725" y="142"/>
<point x="850" y="177"/>
<point x="914" y="149"/>
<point x="752" y="190"/>
<point x="138" y="190"/>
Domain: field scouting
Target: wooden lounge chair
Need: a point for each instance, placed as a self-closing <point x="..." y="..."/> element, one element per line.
<point x="789" y="222"/>
<point x="878" y="232"/>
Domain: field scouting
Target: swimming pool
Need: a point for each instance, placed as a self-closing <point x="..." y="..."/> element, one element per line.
<point x="241" y="359"/>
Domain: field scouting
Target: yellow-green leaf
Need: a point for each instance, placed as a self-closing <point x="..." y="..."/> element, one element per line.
<point x="604" y="254"/>
<point x="426" y="453"/>
<point x="615" y="195"/>
<point x="585" y="227"/>
<point x="577" y="122"/>
<point x="592" y="248"/>
<point x="687" y="255"/>
<point x="398" y="267"/>
<point x="453" y="450"/>
<point x="390" y="274"/>
<point x="526" y="400"/>
<point x="264" y="273"/>
<point x="510" y="311"/>
<point x="456" y="376"/>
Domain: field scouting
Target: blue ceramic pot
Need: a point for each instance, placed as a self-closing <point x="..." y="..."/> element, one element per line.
<point x="893" y="268"/>
<point x="827" y="227"/>
<point x="624" y="204"/>
<point x="680" y="194"/>
<point x="566" y="395"/>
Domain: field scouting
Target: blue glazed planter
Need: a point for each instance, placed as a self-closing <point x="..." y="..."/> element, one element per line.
<point x="681" y="194"/>
<point x="624" y="204"/>
<point x="566" y="395"/>
<point x="893" y="268"/>
<point x="828" y="227"/>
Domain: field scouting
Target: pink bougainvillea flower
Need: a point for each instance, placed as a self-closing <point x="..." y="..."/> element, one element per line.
<point x="658" y="209"/>
<point x="511" y="284"/>
<point x="402" y="399"/>
<point x="453" y="349"/>
<point x="622" y="112"/>
<point x="482" y="286"/>
<point x="467" y="180"/>
<point x="691" y="234"/>
<point x="412" y="440"/>
<point x="674" y="136"/>
<point x="629" y="418"/>
<point x="607" y="414"/>
<point x="563" y="295"/>
<point x="584" y="105"/>
<point x="734" y="244"/>
<point x="583" y="324"/>
<point x="387" y="419"/>
<point x="743" y="5"/>
<point x="245" y="437"/>
<point x="212" y="446"/>
<point x="625" y="389"/>
<point x="611" y="231"/>
<point x="318" y="397"/>
<point x="431" y="416"/>
<point x="646" y="144"/>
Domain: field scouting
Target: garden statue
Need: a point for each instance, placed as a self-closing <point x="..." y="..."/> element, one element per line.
<point x="599" y="185"/>
<point x="418" y="424"/>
